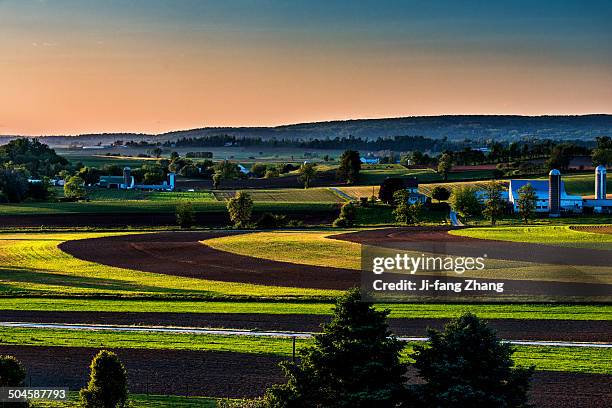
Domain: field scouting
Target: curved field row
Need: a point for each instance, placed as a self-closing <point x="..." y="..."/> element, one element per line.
<point x="33" y="263"/>
<point x="596" y="229"/>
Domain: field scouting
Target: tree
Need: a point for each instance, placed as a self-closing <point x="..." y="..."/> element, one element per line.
<point x="402" y="212"/>
<point x="602" y="155"/>
<point x="440" y="193"/>
<point x="157" y="152"/>
<point x="464" y="201"/>
<point x="259" y="169"/>
<point x="216" y="179"/>
<point x="494" y="205"/>
<point x="388" y="188"/>
<point x="348" y="214"/>
<point x="353" y="363"/>
<point x="468" y="366"/>
<point x="445" y="164"/>
<point x="526" y="202"/>
<point x="185" y="217"/>
<point x="350" y="166"/>
<point x="272" y="172"/>
<point x="13" y="182"/>
<point x="73" y="188"/>
<point x="560" y="157"/>
<point x="308" y="171"/>
<point x="107" y="387"/>
<point x="240" y="208"/>
<point x="12" y="374"/>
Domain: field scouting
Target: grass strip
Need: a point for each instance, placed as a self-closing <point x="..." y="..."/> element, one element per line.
<point x="569" y="359"/>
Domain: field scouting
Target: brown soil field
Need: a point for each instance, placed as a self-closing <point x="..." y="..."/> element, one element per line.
<point x="437" y="240"/>
<point x="218" y="374"/>
<point x="180" y="254"/>
<point x="597" y="229"/>
<point x="511" y="329"/>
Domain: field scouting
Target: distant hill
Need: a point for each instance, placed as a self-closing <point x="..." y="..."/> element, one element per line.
<point x="460" y="127"/>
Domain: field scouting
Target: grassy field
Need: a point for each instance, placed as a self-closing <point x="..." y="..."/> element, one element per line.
<point x="319" y="249"/>
<point x="33" y="264"/>
<point x="573" y="359"/>
<point x="148" y="206"/>
<point x="404" y="310"/>
<point x="309" y="248"/>
<point x="103" y="194"/>
<point x="311" y="195"/>
<point x="550" y="235"/>
<point x="374" y="174"/>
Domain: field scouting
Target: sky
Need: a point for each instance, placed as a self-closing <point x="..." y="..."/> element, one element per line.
<point x="82" y="66"/>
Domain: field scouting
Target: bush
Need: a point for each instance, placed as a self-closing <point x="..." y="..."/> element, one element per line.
<point x="107" y="387"/>
<point x="185" y="217"/>
<point x="12" y="374"/>
<point x="340" y="222"/>
<point x="270" y="221"/>
<point x="440" y="193"/>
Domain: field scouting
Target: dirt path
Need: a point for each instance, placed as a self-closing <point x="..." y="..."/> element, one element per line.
<point x="511" y="329"/>
<point x="218" y="374"/>
<point x="597" y="229"/>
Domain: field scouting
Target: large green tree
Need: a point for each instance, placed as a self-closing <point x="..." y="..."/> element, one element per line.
<point x="240" y="208"/>
<point x="467" y="366"/>
<point x="350" y="166"/>
<point x="74" y="188"/>
<point x="445" y="164"/>
<point x="494" y="204"/>
<point x="353" y="363"/>
<point x="36" y="157"/>
<point x="526" y="202"/>
<point x="308" y="172"/>
<point x="464" y="201"/>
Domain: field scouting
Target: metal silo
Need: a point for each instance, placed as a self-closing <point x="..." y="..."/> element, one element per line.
<point x="600" y="183"/>
<point x="554" y="193"/>
<point x="127" y="176"/>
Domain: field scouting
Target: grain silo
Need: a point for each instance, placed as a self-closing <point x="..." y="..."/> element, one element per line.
<point x="127" y="177"/>
<point x="554" y="193"/>
<point x="600" y="183"/>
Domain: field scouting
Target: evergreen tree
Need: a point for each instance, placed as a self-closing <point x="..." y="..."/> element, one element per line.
<point x="468" y="366"/>
<point x="107" y="387"/>
<point x="354" y="363"/>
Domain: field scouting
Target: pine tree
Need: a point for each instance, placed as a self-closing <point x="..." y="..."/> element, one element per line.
<point x="353" y="363"/>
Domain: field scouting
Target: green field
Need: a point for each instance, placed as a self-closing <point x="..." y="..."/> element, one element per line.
<point x="550" y="235"/>
<point x="104" y="194"/>
<point x="33" y="264"/>
<point x="153" y="207"/>
<point x="308" y="248"/>
<point x="582" y="184"/>
<point x="572" y="359"/>
<point x="398" y="310"/>
<point x="285" y="195"/>
<point x="374" y="174"/>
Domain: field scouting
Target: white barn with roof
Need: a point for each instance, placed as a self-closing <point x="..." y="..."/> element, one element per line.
<point x="569" y="203"/>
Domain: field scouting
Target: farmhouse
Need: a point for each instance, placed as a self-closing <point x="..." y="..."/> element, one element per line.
<point x="569" y="203"/>
<point x="127" y="182"/>
<point x="412" y="187"/>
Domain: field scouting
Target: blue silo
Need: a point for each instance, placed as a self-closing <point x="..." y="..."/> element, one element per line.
<point x="554" y="193"/>
<point x="600" y="183"/>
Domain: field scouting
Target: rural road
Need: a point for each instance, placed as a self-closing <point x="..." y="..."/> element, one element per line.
<point x="272" y="334"/>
